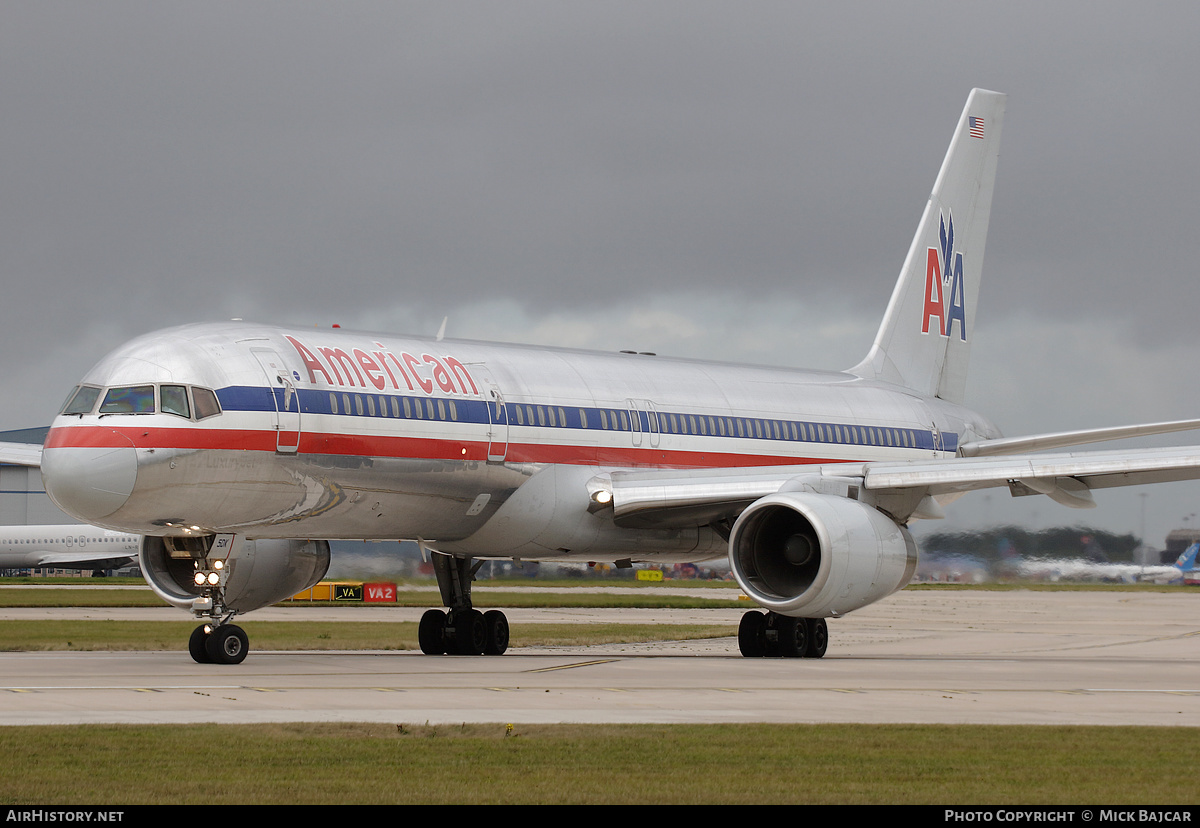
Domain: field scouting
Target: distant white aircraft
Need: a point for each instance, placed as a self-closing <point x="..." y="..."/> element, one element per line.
<point x="1077" y="569"/>
<point x="68" y="546"/>
<point x="241" y="448"/>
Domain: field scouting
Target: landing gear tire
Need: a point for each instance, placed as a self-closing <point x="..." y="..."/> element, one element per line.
<point x="793" y="636"/>
<point x="470" y="636"/>
<point x="818" y="637"/>
<point x="197" y="645"/>
<point x="431" y="632"/>
<point x="227" y="644"/>
<point x="495" y="631"/>
<point x="772" y="635"/>
<point x="752" y="634"/>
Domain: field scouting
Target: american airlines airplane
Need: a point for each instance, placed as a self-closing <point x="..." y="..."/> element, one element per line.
<point x="240" y="449"/>
<point x="68" y="546"/>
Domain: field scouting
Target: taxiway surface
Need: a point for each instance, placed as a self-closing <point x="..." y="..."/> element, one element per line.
<point x="919" y="656"/>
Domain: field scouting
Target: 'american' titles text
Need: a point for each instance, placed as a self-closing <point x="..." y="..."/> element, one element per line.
<point x="380" y="368"/>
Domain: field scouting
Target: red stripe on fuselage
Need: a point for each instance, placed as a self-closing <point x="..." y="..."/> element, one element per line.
<point x="420" y="448"/>
<point x="175" y="438"/>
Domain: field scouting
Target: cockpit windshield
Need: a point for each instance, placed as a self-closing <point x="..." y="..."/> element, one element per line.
<point x="132" y="399"/>
<point x="82" y="400"/>
<point x="187" y="401"/>
<point x="174" y="400"/>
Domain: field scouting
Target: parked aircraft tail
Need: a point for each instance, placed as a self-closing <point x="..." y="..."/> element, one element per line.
<point x="924" y="341"/>
<point x="1187" y="559"/>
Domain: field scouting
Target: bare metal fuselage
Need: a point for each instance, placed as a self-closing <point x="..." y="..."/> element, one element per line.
<point x="335" y="434"/>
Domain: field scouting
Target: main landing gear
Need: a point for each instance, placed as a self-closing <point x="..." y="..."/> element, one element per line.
<point x="463" y="630"/>
<point x="773" y="635"/>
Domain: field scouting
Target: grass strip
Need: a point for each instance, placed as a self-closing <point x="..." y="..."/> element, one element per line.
<point x="49" y="598"/>
<point x="26" y="636"/>
<point x="416" y="763"/>
<point x="558" y="595"/>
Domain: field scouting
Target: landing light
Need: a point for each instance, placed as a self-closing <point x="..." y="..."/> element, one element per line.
<point x="603" y="496"/>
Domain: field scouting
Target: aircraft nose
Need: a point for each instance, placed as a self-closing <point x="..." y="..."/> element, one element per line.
<point x="93" y="481"/>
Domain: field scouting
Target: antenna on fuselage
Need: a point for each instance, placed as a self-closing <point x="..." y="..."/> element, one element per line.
<point x="442" y="330"/>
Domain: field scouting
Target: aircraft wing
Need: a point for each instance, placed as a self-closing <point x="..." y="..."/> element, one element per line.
<point x="679" y="498"/>
<point x="21" y="454"/>
<point x="79" y="560"/>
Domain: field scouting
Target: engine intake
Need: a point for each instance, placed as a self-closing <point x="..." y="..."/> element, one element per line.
<point x="261" y="572"/>
<point x="814" y="555"/>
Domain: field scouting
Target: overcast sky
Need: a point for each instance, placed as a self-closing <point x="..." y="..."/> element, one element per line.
<point x="720" y="180"/>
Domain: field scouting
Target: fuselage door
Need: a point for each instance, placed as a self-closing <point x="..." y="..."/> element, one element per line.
<point x="644" y="423"/>
<point x="497" y="412"/>
<point x="284" y="398"/>
<point x="652" y="422"/>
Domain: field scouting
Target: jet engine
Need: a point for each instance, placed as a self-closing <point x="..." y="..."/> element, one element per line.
<point x="258" y="572"/>
<point x="810" y="555"/>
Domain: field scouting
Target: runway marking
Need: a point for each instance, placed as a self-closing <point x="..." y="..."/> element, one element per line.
<point x="844" y="690"/>
<point x="147" y="690"/>
<point x="1136" y="690"/>
<point x="573" y="666"/>
<point x="34" y="688"/>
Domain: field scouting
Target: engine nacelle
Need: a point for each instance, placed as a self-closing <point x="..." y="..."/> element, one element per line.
<point x="814" y="555"/>
<point x="260" y="572"/>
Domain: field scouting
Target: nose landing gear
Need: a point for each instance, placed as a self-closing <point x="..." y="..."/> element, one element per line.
<point x="217" y="641"/>
<point x="220" y="644"/>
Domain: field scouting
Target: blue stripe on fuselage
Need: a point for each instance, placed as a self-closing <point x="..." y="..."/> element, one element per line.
<point x="616" y="418"/>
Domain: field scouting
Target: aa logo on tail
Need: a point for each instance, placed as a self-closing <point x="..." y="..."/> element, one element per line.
<point x="944" y="273"/>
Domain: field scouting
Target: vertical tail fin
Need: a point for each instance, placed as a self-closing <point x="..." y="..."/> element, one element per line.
<point x="924" y="342"/>
<point x="1187" y="560"/>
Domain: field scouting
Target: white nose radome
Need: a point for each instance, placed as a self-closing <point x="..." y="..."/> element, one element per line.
<point x="90" y="483"/>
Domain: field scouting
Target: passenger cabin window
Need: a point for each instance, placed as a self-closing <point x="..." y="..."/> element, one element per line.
<point x="82" y="400"/>
<point x="133" y="399"/>
<point x="173" y="399"/>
